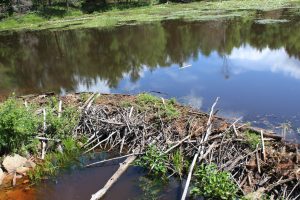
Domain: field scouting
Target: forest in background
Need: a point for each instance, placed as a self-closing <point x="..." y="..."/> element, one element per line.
<point x="60" y="7"/>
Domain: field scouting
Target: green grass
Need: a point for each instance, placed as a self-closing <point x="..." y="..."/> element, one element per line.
<point x="165" y="108"/>
<point x="204" y="10"/>
<point x="179" y="163"/>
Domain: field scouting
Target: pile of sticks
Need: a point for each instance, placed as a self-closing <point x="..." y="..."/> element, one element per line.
<point x="272" y="167"/>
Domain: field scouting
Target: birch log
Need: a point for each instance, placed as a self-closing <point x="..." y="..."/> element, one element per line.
<point x="123" y="167"/>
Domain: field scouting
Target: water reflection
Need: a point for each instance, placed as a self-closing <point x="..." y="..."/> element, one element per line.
<point x="253" y="67"/>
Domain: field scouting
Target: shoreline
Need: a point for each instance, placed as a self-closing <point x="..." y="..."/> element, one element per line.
<point x="182" y="126"/>
<point x="195" y="11"/>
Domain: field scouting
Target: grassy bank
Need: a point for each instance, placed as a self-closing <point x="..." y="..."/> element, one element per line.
<point x="206" y="10"/>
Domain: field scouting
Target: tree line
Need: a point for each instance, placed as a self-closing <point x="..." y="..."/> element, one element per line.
<point x="8" y="7"/>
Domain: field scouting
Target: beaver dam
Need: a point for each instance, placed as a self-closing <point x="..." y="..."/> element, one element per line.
<point x="216" y="158"/>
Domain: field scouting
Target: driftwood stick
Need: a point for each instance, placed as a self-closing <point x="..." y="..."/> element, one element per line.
<point x="92" y="100"/>
<point x="43" y="149"/>
<point x="200" y="149"/>
<point x="266" y="133"/>
<point x="208" y="151"/>
<point x="186" y="187"/>
<point x="292" y="190"/>
<point x="239" y="185"/>
<point x="296" y="149"/>
<point x="209" y="125"/>
<point x="176" y="145"/>
<point x="270" y="187"/>
<point x="26" y="104"/>
<point x="44" y="122"/>
<point x="258" y="163"/>
<point x="100" y="142"/>
<point x="263" y="145"/>
<point x="111" y="159"/>
<point x="59" y="108"/>
<point x="44" y="131"/>
<point x="235" y="130"/>
<point x="123" y="140"/>
<point x="123" y="167"/>
<point x="88" y="100"/>
<point x="47" y="139"/>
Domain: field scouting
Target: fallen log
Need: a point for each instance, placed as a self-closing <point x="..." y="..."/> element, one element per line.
<point x="123" y="167"/>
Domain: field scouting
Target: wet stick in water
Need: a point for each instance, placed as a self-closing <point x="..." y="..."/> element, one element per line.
<point x="123" y="167"/>
<point x="199" y="151"/>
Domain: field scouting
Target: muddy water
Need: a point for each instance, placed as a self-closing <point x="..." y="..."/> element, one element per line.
<point x="78" y="183"/>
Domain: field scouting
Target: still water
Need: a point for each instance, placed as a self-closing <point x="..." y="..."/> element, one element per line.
<point x="253" y="65"/>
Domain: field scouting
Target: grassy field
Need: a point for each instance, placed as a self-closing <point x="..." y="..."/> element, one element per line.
<point x="204" y="10"/>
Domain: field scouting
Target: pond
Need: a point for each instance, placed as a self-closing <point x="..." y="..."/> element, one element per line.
<point x="252" y="64"/>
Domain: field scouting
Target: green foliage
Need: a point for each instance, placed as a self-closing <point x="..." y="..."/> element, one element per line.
<point x="56" y="161"/>
<point x="154" y="160"/>
<point x="165" y="108"/>
<point x="61" y="127"/>
<point x="31" y="148"/>
<point x="213" y="184"/>
<point x="179" y="163"/>
<point x="18" y="126"/>
<point x="46" y="16"/>
<point x="252" y="138"/>
<point x="125" y="104"/>
<point x="146" y="99"/>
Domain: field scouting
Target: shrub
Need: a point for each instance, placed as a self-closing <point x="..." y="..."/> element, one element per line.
<point x="61" y="127"/>
<point x="56" y="160"/>
<point x="252" y="139"/>
<point x="154" y="160"/>
<point x="18" y="126"/>
<point x="213" y="184"/>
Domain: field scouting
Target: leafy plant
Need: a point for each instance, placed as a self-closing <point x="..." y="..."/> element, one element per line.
<point x="18" y="125"/>
<point x="154" y="160"/>
<point x="252" y="139"/>
<point x="61" y="127"/>
<point x="56" y="160"/>
<point x="213" y="184"/>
